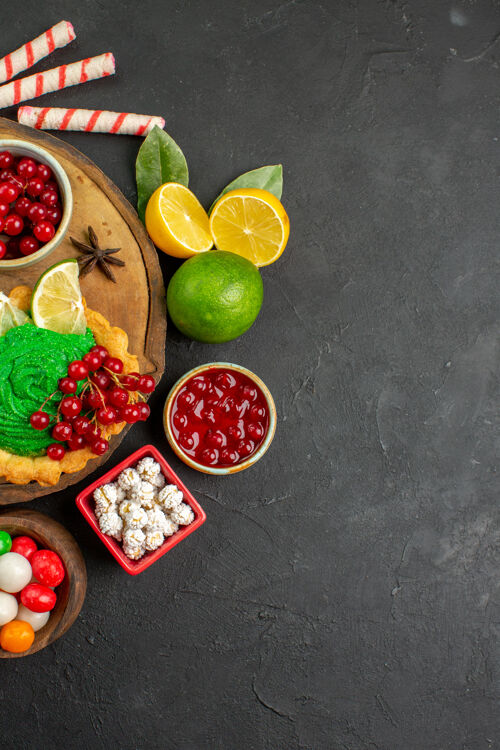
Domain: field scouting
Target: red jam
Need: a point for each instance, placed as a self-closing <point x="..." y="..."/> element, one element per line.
<point x="219" y="417"/>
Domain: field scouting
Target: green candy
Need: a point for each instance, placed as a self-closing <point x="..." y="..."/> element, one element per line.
<point x="5" y="542"/>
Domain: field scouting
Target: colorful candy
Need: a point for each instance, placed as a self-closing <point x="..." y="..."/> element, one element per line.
<point x="17" y="636"/>
<point x="36" y="619"/>
<point x="38" y="598"/>
<point x="88" y="120"/>
<point x="32" y="52"/>
<point x="15" y="572"/>
<point x="24" y="545"/>
<point x="5" y="542"/>
<point x="47" y="567"/>
<point x="8" y="607"/>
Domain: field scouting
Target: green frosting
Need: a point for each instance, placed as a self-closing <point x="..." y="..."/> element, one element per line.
<point x="31" y="362"/>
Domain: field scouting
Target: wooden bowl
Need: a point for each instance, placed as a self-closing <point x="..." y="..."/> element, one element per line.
<point x="49" y="534"/>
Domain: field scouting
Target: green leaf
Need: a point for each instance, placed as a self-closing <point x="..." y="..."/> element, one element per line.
<point x="266" y="178"/>
<point x="159" y="160"/>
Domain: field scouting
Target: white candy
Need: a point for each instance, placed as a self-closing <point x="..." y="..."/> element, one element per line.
<point x="158" y="481"/>
<point x="120" y="493"/>
<point x="129" y="479"/>
<point x="170" y="497"/>
<point x="156" y="518"/>
<point x="36" y="619"/>
<point x="133" y="543"/>
<point x="127" y="506"/>
<point x="136" y="518"/>
<point x="133" y="552"/>
<point x="148" y="468"/>
<point x="144" y="494"/>
<point x="8" y="607"/>
<point x="105" y="499"/>
<point x="183" y="515"/>
<point x="154" y="539"/>
<point x="169" y="527"/>
<point x="111" y="524"/>
<point x="15" y="572"/>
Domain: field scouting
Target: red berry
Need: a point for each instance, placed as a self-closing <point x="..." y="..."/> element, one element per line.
<point x="94" y="400"/>
<point x="81" y="425"/>
<point x="131" y="413"/>
<point x="245" y="447"/>
<point x="49" y="197"/>
<point x="44" y="231"/>
<point x="23" y="205"/>
<point x="6" y="175"/>
<point x="35" y="187"/>
<point x="228" y="456"/>
<point x="71" y="406"/>
<point x="39" y="420"/>
<point x="52" y="184"/>
<point x="37" y="212"/>
<point x="106" y="415"/>
<point x="114" y="364"/>
<point x="18" y="182"/>
<point x="43" y="172"/>
<point x="56" y="451"/>
<point x="257" y="412"/>
<point x="62" y="431"/>
<point x="8" y="192"/>
<point x="3" y="249"/>
<point x="92" y="434"/>
<point x="145" y="412"/>
<point x="101" y="351"/>
<point x="13" y="247"/>
<point x="146" y="384"/>
<point x="118" y="396"/>
<point x="92" y="360"/>
<point x="28" y="245"/>
<point x="67" y="385"/>
<point x="101" y="379"/>
<point x="99" y="446"/>
<point x="27" y="168"/>
<point x="130" y="381"/>
<point x="76" y="442"/>
<point x="78" y="370"/>
<point x="4" y="209"/>
<point x="54" y="215"/>
<point x="14" y="224"/>
<point x="255" y="430"/>
<point x="6" y="160"/>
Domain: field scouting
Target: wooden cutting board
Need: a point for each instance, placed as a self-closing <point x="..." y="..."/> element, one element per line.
<point x="136" y="303"/>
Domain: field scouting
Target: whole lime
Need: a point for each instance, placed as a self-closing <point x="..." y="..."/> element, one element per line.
<point x="215" y="296"/>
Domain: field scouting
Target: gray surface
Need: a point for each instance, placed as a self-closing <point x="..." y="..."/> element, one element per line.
<point x="344" y="592"/>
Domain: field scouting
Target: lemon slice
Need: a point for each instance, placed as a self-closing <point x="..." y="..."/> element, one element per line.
<point x="57" y="300"/>
<point x="10" y="315"/>
<point x="252" y="223"/>
<point x="177" y="222"/>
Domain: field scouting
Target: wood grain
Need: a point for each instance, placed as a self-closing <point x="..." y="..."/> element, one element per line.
<point x="49" y="534"/>
<point x="136" y="303"/>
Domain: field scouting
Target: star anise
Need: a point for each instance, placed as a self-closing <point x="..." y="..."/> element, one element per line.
<point x="94" y="255"/>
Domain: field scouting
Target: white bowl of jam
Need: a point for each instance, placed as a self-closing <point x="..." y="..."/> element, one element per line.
<point x="219" y="418"/>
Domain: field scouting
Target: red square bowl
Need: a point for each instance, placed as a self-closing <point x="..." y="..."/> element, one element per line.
<point x="85" y="503"/>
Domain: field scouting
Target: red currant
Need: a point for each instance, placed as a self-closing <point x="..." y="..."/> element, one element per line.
<point x="249" y="392"/>
<point x="49" y="197"/>
<point x="56" y="451"/>
<point x="52" y="184"/>
<point x="2" y="222"/>
<point x="6" y="160"/>
<point x="209" y="456"/>
<point x="13" y="247"/>
<point x="44" y="231"/>
<point x="146" y="384"/>
<point x="37" y="212"/>
<point x="106" y="415"/>
<point x="76" y="442"/>
<point x="8" y="192"/>
<point x="234" y="432"/>
<point x="130" y="381"/>
<point x="23" y="205"/>
<point x="71" y="406"/>
<point x="101" y="379"/>
<point x="35" y="187"/>
<point x="99" y="446"/>
<point x="229" y="456"/>
<point x="255" y="430"/>
<point x="114" y="364"/>
<point x="118" y="396"/>
<point x="14" y="225"/>
<point x="3" y="249"/>
<point x="54" y="215"/>
<point x="92" y="434"/>
<point x="39" y="420"/>
<point x="245" y="447"/>
<point x="78" y="370"/>
<point x="62" y="431"/>
<point x="215" y="439"/>
<point x="145" y="412"/>
<point x="4" y="209"/>
<point x="81" y="425"/>
<point x="101" y="351"/>
<point x="28" y="245"/>
<point x="67" y="385"/>
<point x="27" y="168"/>
<point x="131" y="413"/>
<point x="18" y="182"/>
<point x="92" y="360"/>
<point x="43" y="172"/>
<point x="94" y="400"/>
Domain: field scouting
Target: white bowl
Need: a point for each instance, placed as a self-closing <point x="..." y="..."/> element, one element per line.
<point x="25" y="148"/>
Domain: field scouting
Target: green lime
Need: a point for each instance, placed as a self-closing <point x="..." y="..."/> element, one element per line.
<point x="5" y="542"/>
<point x="215" y="296"/>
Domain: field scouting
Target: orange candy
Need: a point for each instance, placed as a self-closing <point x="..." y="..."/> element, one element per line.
<point x="16" y="636"/>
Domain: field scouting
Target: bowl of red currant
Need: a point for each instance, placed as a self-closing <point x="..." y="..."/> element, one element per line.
<point x="36" y="204"/>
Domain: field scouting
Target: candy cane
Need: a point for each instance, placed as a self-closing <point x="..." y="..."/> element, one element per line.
<point x="56" y="78"/>
<point x="30" y="53"/>
<point x="88" y="120"/>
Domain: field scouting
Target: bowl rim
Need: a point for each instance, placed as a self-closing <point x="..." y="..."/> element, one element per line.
<point x="84" y="504"/>
<point x="220" y="471"/>
<point x="66" y="194"/>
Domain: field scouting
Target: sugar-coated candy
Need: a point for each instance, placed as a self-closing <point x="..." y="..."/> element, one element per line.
<point x="36" y="619"/>
<point x="154" y="539"/>
<point x="158" y="481"/>
<point x="148" y="468"/>
<point x="170" y="497"/>
<point x="183" y="515"/>
<point x="8" y="607"/>
<point x="126" y="506"/>
<point x="112" y="524"/>
<point x="135" y="518"/>
<point x="15" y="572"/>
<point x="169" y="527"/>
<point x="144" y="494"/>
<point x="128" y="479"/>
<point x="105" y="498"/>
<point x="156" y="518"/>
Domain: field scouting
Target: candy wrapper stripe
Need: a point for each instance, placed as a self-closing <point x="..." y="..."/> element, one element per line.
<point x="88" y="120"/>
<point x="32" y="52"/>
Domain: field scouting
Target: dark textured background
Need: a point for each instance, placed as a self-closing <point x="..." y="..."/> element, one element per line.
<point x="344" y="593"/>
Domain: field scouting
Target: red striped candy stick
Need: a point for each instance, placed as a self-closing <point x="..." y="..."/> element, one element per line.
<point x="30" y="53"/>
<point x="56" y="78"/>
<point x="88" y="120"/>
